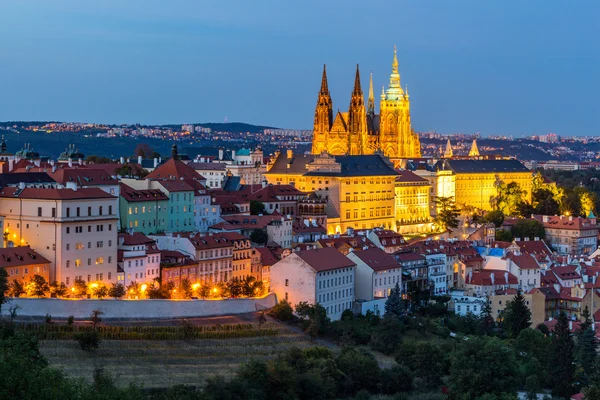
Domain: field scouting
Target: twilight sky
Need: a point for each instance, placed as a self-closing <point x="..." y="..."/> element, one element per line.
<point x="495" y="67"/>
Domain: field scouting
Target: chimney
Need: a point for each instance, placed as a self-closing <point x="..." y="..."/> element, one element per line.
<point x="174" y="152"/>
<point x="70" y="162"/>
<point x="220" y="154"/>
<point x="289" y="153"/>
<point x="37" y="163"/>
<point x="527" y="239"/>
<point x="71" y="185"/>
<point x="506" y="277"/>
<point x="121" y="160"/>
<point x="545" y="218"/>
<point x="264" y="183"/>
<point x="570" y="218"/>
<point x="53" y="168"/>
<point x="233" y="155"/>
<point x="155" y="162"/>
<point x="493" y="278"/>
<point x="537" y="239"/>
<point x="80" y="161"/>
<point x="140" y="160"/>
<point x="11" y="164"/>
<point x="21" y="185"/>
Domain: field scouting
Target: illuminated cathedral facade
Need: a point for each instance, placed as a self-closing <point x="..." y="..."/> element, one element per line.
<point x="360" y="131"/>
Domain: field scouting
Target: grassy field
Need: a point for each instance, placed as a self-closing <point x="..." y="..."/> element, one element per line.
<point x="163" y="363"/>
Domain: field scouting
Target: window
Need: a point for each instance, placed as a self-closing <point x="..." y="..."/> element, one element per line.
<point x="68" y="263"/>
<point x="99" y="244"/>
<point x="89" y="228"/>
<point x="109" y="243"/>
<point x="68" y="212"/>
<point x="68" y="230"/>
<point x="79" y="246"/>
<point x="99" y="260"/>
<point x="109" y="275"/>
<point x="89" y="211"/>
<point x="100" y="210"/>
<point x="53" y="212"/>
<point x="39" y="211"/>
<point x="89" y="261"/>
<point x="78" y="263"/>
<point x="109" y="260"/>
<point x="89" y="278"/>
<point x="78" y="211"/>
<point x="68" y="246"/>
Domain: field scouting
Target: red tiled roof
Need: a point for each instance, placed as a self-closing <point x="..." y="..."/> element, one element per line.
<point x="134" y="239"/>
<point x="132" y="195"/>
<point x="266" y="256"/>
<point x="83" y="177"/>
<point x="567" y="223"/>
<point x="501" y="245"/>
<point x="55" y="194"/>
<point x="409" y="176"/>
<point x="377" y="259"/>
<point x="408" y="256"/>
<point x="566" y="272"/>
<point x="176" y="186"/>
<point x="484" y="278"/>
<point x="524" y="261"/>
<point x="19" y="256"/>
<point x="534" y="247"/>
<point x="174" y="169"/>
<point x="354" y="242"/>
<point x="325" y="259"/>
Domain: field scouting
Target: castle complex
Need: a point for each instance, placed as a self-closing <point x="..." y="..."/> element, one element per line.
<point x="360" y="131"/>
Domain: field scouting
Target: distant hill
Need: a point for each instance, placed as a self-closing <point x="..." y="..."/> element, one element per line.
<point x="234" y="127"/>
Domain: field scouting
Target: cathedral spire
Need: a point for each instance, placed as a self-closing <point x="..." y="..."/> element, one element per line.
<point x="371" y="102"/>
<point x="324" y="87"/>
<point x="474" y="150"/>
<point x="394" y="91"/>
<point x="448" y="152"/>
<point x="357" y="89"/>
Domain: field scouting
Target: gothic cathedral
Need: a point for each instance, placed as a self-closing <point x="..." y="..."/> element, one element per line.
<point x="360" y="130"/>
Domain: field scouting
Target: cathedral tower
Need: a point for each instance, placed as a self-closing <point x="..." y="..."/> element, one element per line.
<point x="357" y="119"/>
<point x="323" y="117"/>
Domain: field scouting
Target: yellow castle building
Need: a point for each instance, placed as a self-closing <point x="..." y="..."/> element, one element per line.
<point x="360" y="131"/>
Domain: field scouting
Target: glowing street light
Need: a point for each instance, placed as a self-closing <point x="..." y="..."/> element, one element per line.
<point x="195" y="286"/>
<point x="144" y="287"/>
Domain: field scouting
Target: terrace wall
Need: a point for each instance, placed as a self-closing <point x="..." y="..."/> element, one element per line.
<point x="138" y="309"/>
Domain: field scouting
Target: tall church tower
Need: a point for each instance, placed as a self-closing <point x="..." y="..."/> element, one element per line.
<point x="397" y="139"/>
<point x="323" y="117"/>
<point x="357" y="119"/>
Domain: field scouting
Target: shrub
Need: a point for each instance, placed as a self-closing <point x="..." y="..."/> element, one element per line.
<point x="70" y="320"/>
<point x="88" y="340"/>
<point x="396" y="379"/>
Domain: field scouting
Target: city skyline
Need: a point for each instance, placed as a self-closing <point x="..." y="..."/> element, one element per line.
<point x="469" y="67"/>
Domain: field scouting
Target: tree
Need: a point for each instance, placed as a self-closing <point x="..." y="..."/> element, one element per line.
<point x="92" y="159"/>
<point x="426" y="360"/>
<point x="15" y="288"/>
<point x="259" y="236"/>
<point x="99" y="290"/>
<point x="58" y="289"/>
<point x="318" y="321"/>
<point x="531" y="348"/>
<point x="396" y="379"/>
<point x="133" y="289"/>
<point x="561" y="358"/>
<point x="186" y="288"/>
<point x="545" y="203"/>
<point x="386" y="336"/>
<point x="3" y="287"/>
<point x="360" y="368"/>
<point x="143" y="149"/>
<point x="503" y="235"/>
<point x="517" y="315"/>
<point x="131" y="170"/>
<point x="117" y="291"/>
<point x="37" y="286"/>
<point x="256" y="207"/>
<point x="586" y="320"/>
<point x="529" y="228"/>
<point x="282" y="311"/>
<point x="79" y="288"/>
<point x="447" y="213"/>
<point x="261" y="319"/>
<point x="586" y="351"/>
<point x="234" y="288"/>
<point x="482" y="365"/>
<point x="487" y="320"/>
<point x="393" y="304"/>
<point x="204" y="291"/>
<point x="496" y="217"/>
<point x="95" y="318"/>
